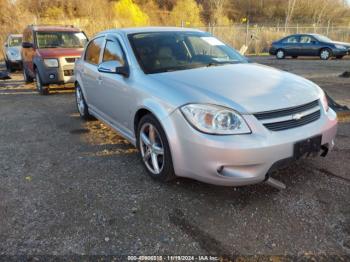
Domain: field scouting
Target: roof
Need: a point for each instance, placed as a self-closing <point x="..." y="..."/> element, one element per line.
<point x="15" y="35"/>
<point x="133" y="30"/>
<point x="55" y="28"/>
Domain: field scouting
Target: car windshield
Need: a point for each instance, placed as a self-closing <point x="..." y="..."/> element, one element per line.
<point x="159" y="52"/>
<point x="323" y="38"/>
<point x="15" y="41"/>
<point x="60" y="39"/>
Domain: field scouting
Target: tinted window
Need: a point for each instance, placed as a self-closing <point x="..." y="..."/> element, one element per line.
<point x="92" y="54"/>
<point x="170" y="51"/>
<point x="305" y="39"/>
<point x="60" y="39"/>
<point x="15" y="41"/>
<point x="113" y="52"/>
<point x="292" y="39"/>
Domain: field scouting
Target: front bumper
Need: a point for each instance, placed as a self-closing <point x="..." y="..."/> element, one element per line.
<point x="340" y="52"/>
<point x="236" y="160"/>
<point x="62" y="74"/>
<point x="15" y="63"/>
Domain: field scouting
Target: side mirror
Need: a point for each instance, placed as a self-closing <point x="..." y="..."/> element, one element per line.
<point x="27" y="45"/>
<point x="313" y="42"/>
<point x="114" y="67"/>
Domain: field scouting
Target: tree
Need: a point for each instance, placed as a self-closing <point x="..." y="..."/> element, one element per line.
<point x="186" y="12"/>
<point x="129" y="14"/>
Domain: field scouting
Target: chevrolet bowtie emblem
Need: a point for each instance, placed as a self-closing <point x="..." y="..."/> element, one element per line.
<point x="297" y="116"/>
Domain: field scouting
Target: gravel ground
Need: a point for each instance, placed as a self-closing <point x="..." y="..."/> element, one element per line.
<point x="68" y="187"/>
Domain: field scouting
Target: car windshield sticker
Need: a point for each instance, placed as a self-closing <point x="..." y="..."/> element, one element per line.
<point x="212" y="40"/>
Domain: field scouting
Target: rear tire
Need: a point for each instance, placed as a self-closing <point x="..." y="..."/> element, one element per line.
<point x="325" y="54"/>
<point x="154" y="149"/>
<point x="280" y="54"/>
<point x="42" y="89"/>
<point x="294" y="56"/>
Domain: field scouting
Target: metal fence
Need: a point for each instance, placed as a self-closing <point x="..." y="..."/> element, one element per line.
<point x="259" y="37"/>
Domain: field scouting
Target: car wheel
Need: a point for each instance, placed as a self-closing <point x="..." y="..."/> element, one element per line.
<point x="325" y="54"/>
<point x="154" y="149"/>
<point x="8" y="66"/>
<point x="26" y="77"/>
<point x="81" y="104"/>
<point x="42" y="90"/>
<point x="294" y="56"/>
<point x="339" y="57"/>
<point x="280" y="54"/>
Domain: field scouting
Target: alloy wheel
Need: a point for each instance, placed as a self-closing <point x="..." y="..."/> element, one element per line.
<point x="325" y="54"/>
<point x="152" y="150"/>
<point x="280" y="54"/>
<point x="80" y="101"/>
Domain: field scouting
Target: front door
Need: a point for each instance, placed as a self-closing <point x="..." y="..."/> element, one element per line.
<point x="115" y="99"/>
<point x="90" y="73"/>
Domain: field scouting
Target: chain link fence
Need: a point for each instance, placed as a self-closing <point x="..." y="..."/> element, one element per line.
<point x="258" y="38"/>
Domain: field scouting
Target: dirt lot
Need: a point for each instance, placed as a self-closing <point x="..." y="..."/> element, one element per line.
<point x="69" y="187"/>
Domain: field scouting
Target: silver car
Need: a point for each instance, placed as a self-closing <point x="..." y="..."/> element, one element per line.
<point x="194" y="107"/>
<point x="12" y="52"/>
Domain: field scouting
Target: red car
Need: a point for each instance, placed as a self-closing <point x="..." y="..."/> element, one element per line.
<point x="49" y="54"/>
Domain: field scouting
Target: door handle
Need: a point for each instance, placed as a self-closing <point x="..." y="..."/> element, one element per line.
<point x="99" y="80"/>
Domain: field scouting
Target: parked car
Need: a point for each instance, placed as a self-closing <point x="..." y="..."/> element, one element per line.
<point x="49" y="53"/>
<point x="12" y="52"/>
<point x="194" y="107"/>
<point x="309" y="45"/>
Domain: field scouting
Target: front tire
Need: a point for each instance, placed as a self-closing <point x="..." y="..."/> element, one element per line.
<point x="42" y="90"/>
<point x="154" y="149"/>
<point x="325" y="54"/>
<point x="280" y="54"/>
<point x="9" y="67"/>
<point x="294" y="56"/>
<point x="81" y="104"/>
<point x="339" y="57"/>
<point x="26" y="77"/>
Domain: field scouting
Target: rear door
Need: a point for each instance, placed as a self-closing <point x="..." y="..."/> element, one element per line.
<point x="308" y="45"/>
<point x="90" y="74"/>
<point x="291" y="45"/>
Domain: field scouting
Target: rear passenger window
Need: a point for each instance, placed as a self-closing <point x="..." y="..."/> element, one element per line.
<point x="292" y="39"/>
<point x="93" y="51"/>
<point x="113" y="52"/>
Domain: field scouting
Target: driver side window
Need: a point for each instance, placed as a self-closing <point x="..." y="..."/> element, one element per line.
<point x="92" y="54"/>
<point x="113" y="52"/>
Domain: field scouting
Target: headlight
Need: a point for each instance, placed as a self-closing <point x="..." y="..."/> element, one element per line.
<point x="340" y="47"/>
<point x="214" y="119"/>
<point x="51" y="62"/>
<point x="324" y="101"/>
<point x="13" y="54"/>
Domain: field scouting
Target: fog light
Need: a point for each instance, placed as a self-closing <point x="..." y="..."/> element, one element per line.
<point x="52" y="76"/>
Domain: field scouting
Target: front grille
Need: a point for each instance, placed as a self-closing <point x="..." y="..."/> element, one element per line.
<point x="292" y="117"/>
<point x="71" y="59"/>
<point x="286" y="112"/>
<point x="68" y="72"/>
<point x="284" y="125"/>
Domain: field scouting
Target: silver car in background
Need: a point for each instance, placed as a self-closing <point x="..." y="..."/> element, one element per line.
<point x="196" y="108"/>
<point x="12" y="52"/>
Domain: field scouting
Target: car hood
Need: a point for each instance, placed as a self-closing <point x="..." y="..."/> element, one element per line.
<point x="59" y="52"/>
<point x="246" y="87"/>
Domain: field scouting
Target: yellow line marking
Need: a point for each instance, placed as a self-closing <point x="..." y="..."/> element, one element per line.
<point x="343" y="117"/>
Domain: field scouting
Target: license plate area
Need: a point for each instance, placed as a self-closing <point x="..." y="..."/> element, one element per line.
<point x="307" y="147"/>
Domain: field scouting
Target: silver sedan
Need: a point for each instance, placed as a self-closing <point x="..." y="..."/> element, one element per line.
<point x="194" y="107"/>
